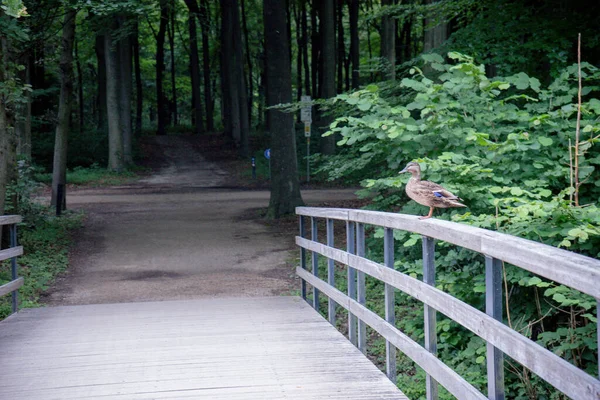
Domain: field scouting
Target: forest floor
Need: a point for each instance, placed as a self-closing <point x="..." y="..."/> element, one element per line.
<point x="191" y="228"/>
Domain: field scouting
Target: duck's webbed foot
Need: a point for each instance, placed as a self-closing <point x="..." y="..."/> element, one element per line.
<point x="428" y="215"/>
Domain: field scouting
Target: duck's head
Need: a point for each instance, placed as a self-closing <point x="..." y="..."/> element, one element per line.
<point x="413" y="168"/>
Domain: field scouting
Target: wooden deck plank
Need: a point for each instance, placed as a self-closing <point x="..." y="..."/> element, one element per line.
<point x="244" y="348"/>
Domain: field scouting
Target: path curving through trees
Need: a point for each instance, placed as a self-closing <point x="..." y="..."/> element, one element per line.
<point x="178" y="234"/>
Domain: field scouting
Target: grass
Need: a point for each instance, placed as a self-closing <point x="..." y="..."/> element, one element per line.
<point x="45" y="246"/>
<point x="92" y="176"/>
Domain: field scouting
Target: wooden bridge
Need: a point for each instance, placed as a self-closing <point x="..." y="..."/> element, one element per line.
<point x="280" y="347"/>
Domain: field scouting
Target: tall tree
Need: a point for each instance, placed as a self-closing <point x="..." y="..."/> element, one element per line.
<point x="341" y="46"/>
<point x="304" y="47"/>
<point x="171" y="35"/>
<point x="101" y="81"/>
<point x="195" y="74"/>
<point x="113" y="106"/>
<point x="139" y="97"/>
<point x="125" y="87"/>
<point x="436" y="35"/>
<point x="205" y="29"/>
<point x="285" y="189"/>
<point x="161" y="104"/>
<point x="388" y="42"/>
<point x="59" y="170"/>
<point x="328" y="48"/>
<point x="354" y="44"/>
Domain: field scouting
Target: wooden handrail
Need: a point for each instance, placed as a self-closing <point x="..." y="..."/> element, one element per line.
<point x="562" y="266"/>
<point x="559" y="265"/>
<point x="12" y="253"/>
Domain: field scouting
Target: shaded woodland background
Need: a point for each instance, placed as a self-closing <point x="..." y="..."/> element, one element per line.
<point x="488" y="95"/>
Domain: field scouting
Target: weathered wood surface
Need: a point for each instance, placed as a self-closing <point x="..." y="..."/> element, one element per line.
<point x="11" y="252"/>
<point x="455" y="384"/>
<point x="561" y="374"/>
<point x="10" y="219"/>
<point x="244" y="348"/>
<point x="562" y="266"/>
<point x="11" y="286"/>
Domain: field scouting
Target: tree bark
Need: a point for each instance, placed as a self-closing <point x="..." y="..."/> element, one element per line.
<point x="115" y="134"/>
<point x="328" y="91"/>
<point x="195" y="75"/>
<point x="434" y="36"/>
<point x="341" y="46"/>
<point x="305" y="59"/>
<point x="161" y="106"/>
<point x="80" y="100"/>
<point x="250" y="80"/>
<point x="4" y="133"/>
<point x="171" y="36"/>
<point x="125" y="93"/>
<point x="240" y="81"/>
<point x="388" y="43"/>
<point x="139" y="96"/>
<point x="354" y="44"/>
<point x="23" y="110"/>
<point x="315" y="36"/>
<point x="59" y="169"/>
<point x="285" y="189"/>
<point x="229" y="110"/>
<point x="101" y="99"/>
<point x="208" y="99"/>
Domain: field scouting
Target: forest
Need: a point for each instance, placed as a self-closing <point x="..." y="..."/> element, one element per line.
<point x="497" y="99"/>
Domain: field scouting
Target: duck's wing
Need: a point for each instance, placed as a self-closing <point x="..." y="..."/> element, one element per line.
<point x="439" y="191"/>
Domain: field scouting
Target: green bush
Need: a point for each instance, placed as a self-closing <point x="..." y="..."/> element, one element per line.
<point x="504" y="145"/>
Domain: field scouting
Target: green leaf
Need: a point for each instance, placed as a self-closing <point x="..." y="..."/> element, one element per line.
<point x="545" y="141"/>
<point x="372" y="88"/>
<point x="516" y="191"/>
<point x="504" y="86"/>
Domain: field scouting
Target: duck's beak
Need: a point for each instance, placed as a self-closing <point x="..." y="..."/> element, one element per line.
<point x="403" y="171"/>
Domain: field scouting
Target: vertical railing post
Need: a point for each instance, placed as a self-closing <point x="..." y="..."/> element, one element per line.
<point x="351" y="248"/>
<point x="330" y="273"/>
<point x="493" y="308"/>
<point x="302" y="256"/>
<point x="390" y="301"/>
<point x="13" y="267"/>
<point x="430" y="313"/>
<point x="360" y="287"/>
<point x="315" y="261"/>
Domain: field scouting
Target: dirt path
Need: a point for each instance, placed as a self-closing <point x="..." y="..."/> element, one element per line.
<point x="177" y="234"/>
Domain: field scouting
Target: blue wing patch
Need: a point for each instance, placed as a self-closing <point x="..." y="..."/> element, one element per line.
<point x="438" y="194"/>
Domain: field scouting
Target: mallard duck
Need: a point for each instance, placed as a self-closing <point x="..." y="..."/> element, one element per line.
<point x="428" y="193"/>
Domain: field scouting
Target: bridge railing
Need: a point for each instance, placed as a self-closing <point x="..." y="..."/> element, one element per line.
<point x="12" y="253"/>
<point x="564" y="267"/>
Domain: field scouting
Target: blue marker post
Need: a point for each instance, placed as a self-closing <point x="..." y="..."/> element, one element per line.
<point x="253" y="168"/>
<point x="268" y="157"/>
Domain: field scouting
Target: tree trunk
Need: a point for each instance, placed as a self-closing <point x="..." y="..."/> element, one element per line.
<point x="388" y="43"/>
<point x="23" y="117"/>
<point x="354" y="44"/>
<point x="139" y="98"/>
<point x="305" y="49"/>
<point x="434" y="36"/>
<point x="285" y="189"/>
<point x="341" y="47"/>
<point x="208" y="99"/>
<point x="195" y="75"/>
<point x="59" y="169"/>
<point x="298" y="23"/>
<point x="80" y="100"/>
<point x="315" y="35"/>
<point x="115" y="134"/>
<point x="125" y="91"/>
<point x="229" y="110"/>
<point x="161" y="106"/>
<point x="4" y="133"/>
<point x="171" y="35"/>
<point x="240" y="80"/>
<point x="250" y="80"/>
<point x="101" y="99"/>
<point x="328" y="91"/>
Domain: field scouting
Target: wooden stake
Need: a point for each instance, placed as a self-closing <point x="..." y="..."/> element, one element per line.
<point x="578" y="122"/>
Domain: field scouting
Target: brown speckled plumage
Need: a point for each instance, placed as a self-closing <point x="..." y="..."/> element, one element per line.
<point x="428" y="193"/>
